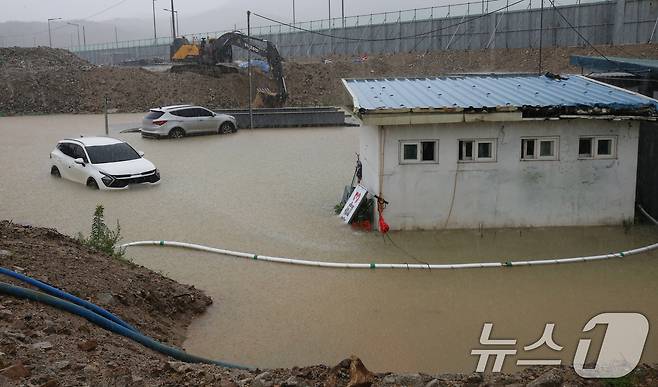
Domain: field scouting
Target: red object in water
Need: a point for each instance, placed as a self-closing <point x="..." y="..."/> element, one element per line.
<point x="383" y="226"/>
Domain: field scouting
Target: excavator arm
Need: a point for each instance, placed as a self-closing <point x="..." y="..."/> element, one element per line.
<point x="220" y="50"/>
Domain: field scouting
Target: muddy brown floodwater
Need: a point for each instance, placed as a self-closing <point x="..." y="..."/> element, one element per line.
<point x="272" y="192"/>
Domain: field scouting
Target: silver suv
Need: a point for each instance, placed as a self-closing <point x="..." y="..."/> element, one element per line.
<point x="180" y="120"/>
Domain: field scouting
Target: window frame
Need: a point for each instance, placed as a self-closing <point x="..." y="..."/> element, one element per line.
<point x="419" y="152"/>
<point x="537" y="148"/>
<point x="594" y="147"/>
<point x="475" y="150"/>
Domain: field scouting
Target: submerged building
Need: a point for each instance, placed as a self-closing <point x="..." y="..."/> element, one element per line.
<point x="511" y="150"/>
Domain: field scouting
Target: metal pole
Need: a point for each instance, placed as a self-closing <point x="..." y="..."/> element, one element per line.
<point x="653" y="32"/>
<point x="177" y="25"/>
<point x="107" y="128"/>
<point x="50" y="37"/>
<point x="116" y="36"/>
<point x="541" y="31"/>
<point x="173" y="22"/>
<point x="293" y="12"/>
<point x="84" y="37"/>
<point x="342" y="11"/>
<point x="251" y="112"/>
<point x="78" y="28"/>
<point x="155" y="33"/>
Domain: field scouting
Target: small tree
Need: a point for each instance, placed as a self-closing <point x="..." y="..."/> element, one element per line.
<point x="101" y="237"/>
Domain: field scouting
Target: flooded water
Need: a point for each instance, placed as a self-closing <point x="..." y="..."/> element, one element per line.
<point x="272" y="192"/>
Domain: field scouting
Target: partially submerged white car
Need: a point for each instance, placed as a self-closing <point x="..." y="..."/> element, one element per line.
<point x="101" y="163"/>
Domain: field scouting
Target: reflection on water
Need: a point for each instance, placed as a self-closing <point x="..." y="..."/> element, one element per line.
<point x="272" y="192"/>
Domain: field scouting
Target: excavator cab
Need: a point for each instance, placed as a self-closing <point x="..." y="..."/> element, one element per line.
<point x="183" y="51"/>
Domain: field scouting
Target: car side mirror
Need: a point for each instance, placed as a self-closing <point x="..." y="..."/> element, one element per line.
<point x="80" y="161"/>
<point x="214" y="114"/>
<point x="140" y="153"/>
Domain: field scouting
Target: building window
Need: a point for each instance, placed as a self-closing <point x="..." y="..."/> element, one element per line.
<point x="424" y="151"/>
<point x="539" y="148"/>
<point x="477" y="150"/>
<point x="597" y="147"/>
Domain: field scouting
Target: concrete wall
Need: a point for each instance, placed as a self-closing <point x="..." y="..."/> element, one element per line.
<point x="608" y="22"/>
<point x="508" y="192"/>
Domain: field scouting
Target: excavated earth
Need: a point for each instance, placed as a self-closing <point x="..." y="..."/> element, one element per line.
<point x="43" y="346"/>
<point x="43" y="80"/>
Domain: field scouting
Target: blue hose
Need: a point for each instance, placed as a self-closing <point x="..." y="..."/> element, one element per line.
<point x="110" y="325"/>
<point x="66" y="296"/>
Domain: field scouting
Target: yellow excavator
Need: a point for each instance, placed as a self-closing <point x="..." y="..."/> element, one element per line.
<point x="212" y="56"/>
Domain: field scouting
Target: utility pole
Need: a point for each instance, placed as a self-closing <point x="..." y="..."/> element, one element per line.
<point x="155" y="34"/>
<point x="116" y="36"/>
<point x="50" y="36"/>
<point x="107" y="127"/>
<point x="342" y="12"/>
<point x="251" y="111"/>
<point x="541" y="31"/>
<point x="173" y="22"/>
<point x="77" y="26"/>
<point x="175" y="13"/>
<point x="84" y="37"/>
<point x="293" y="12"/>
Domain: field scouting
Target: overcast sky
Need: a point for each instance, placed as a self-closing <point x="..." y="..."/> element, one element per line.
<point x="40" y="10"/>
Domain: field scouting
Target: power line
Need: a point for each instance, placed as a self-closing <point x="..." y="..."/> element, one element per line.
<point x="578" y="32"/>
<point x="390" y="39"/>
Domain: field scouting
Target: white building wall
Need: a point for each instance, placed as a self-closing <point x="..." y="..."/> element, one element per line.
<point x="370" y="155"/>
<point x="509" y="192"/>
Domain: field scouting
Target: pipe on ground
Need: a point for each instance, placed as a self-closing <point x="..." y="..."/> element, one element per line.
<point x="109" y="325"/>
<point x="66" y="296"/>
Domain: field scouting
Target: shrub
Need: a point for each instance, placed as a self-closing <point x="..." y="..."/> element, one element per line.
<point x="102" y="238"/>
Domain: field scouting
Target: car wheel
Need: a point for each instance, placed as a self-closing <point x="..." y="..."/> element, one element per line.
<point x="91" y="183"/>
<point x="55" y="171"/>
<point x="176" y="133"/>
<point x="226" y="128"/>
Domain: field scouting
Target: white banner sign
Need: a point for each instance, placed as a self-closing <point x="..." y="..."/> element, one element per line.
<point x="353" y="203"/>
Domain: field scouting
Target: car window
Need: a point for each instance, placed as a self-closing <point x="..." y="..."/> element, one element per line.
<point x="154" y="114"/>
<point x="79" y="153"/>
<point x="100" y="154"/>
<point x="200" y="112"/>
<point x="65" y="148"/>
<point x="183" y="113"/>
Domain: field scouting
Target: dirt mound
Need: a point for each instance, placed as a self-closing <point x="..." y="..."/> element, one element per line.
<point x="317" y="83"/>
<point x="43" y="80"/>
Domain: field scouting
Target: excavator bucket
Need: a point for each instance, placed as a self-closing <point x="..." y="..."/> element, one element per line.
<point x="265" y="98"/>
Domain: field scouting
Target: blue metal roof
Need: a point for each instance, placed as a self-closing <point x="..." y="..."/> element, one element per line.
<point x="505" y="92"/>
<point x="645" y="67"/>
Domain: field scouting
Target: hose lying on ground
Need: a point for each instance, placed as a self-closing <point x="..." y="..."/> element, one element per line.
<point x="66" y="296"/>
<point x="110" y="325"/>
<point x="345" y="265"/>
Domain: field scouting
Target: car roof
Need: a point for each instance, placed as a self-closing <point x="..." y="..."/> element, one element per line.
<point x="91" y="141"/>
<point x="173" y="107"/>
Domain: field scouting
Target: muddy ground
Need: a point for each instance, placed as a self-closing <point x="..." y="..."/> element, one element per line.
<point x="43" y="346"/>
<point x="43" y="80"/>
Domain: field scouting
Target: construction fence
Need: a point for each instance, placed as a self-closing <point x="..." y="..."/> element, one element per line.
<point x="466" y="26"/>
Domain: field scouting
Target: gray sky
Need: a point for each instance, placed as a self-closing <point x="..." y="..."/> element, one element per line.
<point x="40" y="10"/>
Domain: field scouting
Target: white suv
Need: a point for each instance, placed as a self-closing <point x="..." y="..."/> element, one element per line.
<point x="180" y="120"/>
<point x="101" y="163"/>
